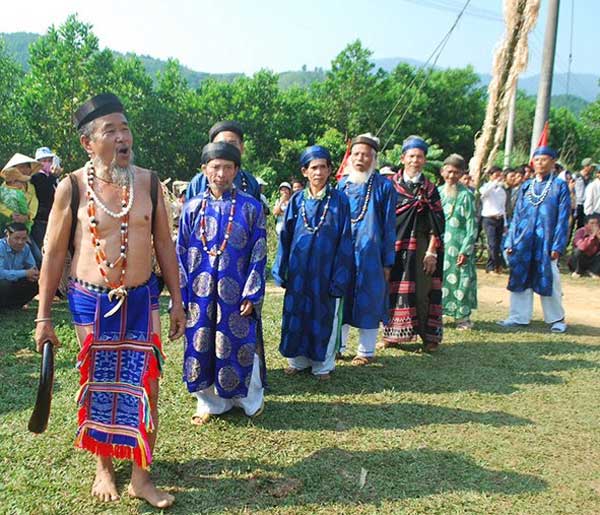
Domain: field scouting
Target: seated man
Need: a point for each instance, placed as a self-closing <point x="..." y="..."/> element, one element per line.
<point x="586" y="249"/>
<point x="18" y="273"/>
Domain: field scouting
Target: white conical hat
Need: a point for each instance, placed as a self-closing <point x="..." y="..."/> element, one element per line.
<point x="21" y="159"/>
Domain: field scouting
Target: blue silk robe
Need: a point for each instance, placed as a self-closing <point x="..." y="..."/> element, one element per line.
<point x="315" y="269"/>
<point x="373" y="240"/>
<point x="220" y="343"/>
<point x="534" y="233"/>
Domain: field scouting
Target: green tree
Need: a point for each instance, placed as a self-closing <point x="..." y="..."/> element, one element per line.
<point x="351" y="95"/>
<point x="15" y="135"/>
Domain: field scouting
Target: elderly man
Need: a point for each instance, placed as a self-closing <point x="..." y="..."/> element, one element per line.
<point x="586" y="249"/>
<point x="227" y="132"/>
<point x="44" y="182"/>
<point x="373" y="211"/>
<point x="459" y="291"/>
<point x="18" y="270"/>
<point x="222" y="254"/>
<point x="416" y="276"/>
<point x="314" y="265"/>
<point x="109" y="212"/>
<point x="536" y="239"/>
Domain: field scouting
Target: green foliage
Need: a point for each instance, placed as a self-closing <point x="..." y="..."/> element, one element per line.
<point x="171" y="110"/>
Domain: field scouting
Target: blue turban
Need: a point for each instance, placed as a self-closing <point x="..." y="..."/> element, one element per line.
<point x="314" y="152"/>
<point x="545" y="151"/>
<point x="415" y="142"/>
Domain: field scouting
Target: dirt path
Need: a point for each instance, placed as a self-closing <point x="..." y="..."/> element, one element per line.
<point x="581" y="297"/>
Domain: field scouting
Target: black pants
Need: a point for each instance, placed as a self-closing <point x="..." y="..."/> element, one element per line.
<point x="14" y="294"/>
<point x="494" y="227"/>
<point x="38" y="231"/>
<point x="581" y="263"/>
<point x="580" y="216"/>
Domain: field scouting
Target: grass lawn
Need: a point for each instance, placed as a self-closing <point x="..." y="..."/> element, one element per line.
<point x="496" y="422"/>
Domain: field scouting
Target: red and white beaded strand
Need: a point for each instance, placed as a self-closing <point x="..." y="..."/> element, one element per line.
<point x="100" y="255"/>
<point x="228" y="229"/>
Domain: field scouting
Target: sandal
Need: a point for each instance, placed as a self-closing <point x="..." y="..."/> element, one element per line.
<point x="361" y="361"/>
<point x="431" y="347"/>
<point x="201" y="420"/>
<point x="259" y="411"/>
<point x="291" y="371"/>
<point x="323" y="377"/>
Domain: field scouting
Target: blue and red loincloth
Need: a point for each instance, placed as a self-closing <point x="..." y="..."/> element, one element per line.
<point x="116" y="363"/>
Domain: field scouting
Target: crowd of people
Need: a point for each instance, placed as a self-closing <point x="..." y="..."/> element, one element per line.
<point x="386" y="252"/>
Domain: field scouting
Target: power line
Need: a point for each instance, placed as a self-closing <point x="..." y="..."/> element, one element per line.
<point x="455" y="7"/>
<point x="438" y="50"/>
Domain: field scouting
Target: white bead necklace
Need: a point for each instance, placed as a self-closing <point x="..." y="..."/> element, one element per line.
<point x="125" y="207"/>
<point x="535" y="199"/>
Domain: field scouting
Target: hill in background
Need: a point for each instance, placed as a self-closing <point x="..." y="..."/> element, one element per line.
<point x="584" y="88"/>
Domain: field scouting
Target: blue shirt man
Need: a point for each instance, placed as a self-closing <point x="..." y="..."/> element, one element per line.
<point x="18" y="272"/>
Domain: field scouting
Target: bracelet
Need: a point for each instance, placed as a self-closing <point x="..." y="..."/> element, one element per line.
<point x="431" y="254"/>
<point x="48" y="319"/>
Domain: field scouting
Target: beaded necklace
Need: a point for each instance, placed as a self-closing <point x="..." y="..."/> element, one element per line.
<point x="307" y="225"/>
<point x="535" y="199"/>
<point x="365" y="205"/>
<point x="244" y="181"/>
<point x="117" y="289"/>
<point x="228" y="230"/>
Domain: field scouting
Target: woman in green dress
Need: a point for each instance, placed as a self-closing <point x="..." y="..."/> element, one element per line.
<point x="459" y="290"/>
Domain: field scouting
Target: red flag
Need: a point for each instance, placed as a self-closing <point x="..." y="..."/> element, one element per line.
<point x="338" y="174"/>
<point x="543" y="141"/>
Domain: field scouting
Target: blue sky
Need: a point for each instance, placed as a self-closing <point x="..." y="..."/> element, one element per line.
<point x="233" y="36"/>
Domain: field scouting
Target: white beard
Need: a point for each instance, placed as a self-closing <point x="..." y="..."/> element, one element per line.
<point x="450" y="190"/>
<point x="358" y="177"/>
<point x="114" y="173"/>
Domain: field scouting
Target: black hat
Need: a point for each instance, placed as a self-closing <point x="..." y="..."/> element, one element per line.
<point x="221" y="150"/>
<point x="100" y="105"/>
<point x="225" y="126"/>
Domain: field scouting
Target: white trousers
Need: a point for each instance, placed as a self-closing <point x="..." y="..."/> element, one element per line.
<point x="326" y="366"/>
<point x="210" y="402"/>
<point x="367" y="339"/>
<point x="521" y="303"/>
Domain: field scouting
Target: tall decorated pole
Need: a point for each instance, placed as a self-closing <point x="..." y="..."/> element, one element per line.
<point x="510" y="59"/>
<point x="542" y="107"/>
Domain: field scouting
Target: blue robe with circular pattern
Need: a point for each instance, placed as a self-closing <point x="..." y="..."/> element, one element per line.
<point x="315" y="269"/>
<point x="373" y="240"/>
<point x="221" y="343"/>
<point x="535" y="232"/>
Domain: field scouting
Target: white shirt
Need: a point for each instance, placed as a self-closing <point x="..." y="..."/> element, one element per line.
<point x="493" y="199"/>
<point x="414" y="179"/>
<point x="591" y="202"/>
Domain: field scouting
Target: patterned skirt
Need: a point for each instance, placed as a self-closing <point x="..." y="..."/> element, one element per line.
<point x="117" y="362"/>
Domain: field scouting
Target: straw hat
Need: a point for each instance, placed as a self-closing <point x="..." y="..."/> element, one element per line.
<point x="20" y="159"/>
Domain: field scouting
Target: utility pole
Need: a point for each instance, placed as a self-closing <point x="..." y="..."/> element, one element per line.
<point x="542" y="108"/>
<point x="510" y="129"/>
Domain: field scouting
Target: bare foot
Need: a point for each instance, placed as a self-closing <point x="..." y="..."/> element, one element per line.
<point x="142" y="487"/>
<point x="104" y="487"/>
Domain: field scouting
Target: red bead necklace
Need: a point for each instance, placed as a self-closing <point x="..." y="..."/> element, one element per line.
<point x="228" y="230"/>
<point x="117" y="288"/>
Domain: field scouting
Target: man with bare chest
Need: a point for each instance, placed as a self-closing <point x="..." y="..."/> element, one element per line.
<point x="113" y="296"/>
